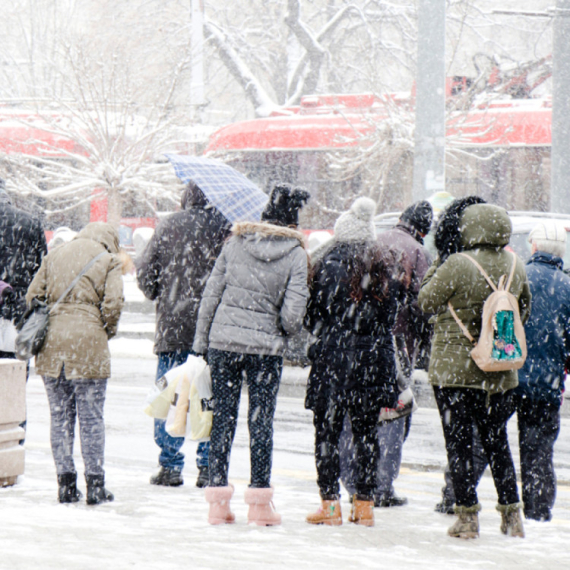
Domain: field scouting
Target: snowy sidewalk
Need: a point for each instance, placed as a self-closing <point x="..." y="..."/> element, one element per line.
<point x="162" y="529"/>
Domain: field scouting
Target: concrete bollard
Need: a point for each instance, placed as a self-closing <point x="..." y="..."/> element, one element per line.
<point x="12" y="414"/>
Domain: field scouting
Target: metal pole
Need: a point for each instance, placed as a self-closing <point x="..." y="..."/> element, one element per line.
<point x="560" y="187"/>
<point x="429" y="149"/>
<point x="197" y="47"/>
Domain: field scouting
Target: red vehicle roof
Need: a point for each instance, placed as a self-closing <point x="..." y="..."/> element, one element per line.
<point x="320" y="126"/>
<point x="23" y="132"/>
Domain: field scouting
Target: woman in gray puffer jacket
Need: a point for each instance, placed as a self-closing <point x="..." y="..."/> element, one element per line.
<point x="255" y="297"/>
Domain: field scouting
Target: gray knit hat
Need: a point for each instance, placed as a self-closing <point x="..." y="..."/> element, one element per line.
<point x="356" y="224"/>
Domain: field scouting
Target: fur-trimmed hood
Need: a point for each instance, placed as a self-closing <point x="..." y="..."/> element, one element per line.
<point x="267" y="241"/>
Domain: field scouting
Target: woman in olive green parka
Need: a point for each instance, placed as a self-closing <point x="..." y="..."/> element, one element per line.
<point x="74" y="361"/>
<point x="464" y="393"/>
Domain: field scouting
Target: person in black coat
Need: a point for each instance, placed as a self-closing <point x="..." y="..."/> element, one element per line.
<point x="173" y="271"/>
<point x="354" y="301"/>
<point x="538" y="396"/>
<point x="22" y="247"/>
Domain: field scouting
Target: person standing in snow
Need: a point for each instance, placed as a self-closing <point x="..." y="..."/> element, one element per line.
<point x="173" y="271"/>
<point x="254" y="299"/>
<point x="74" y="360"/>
<point x="22" y="247"/>
<point x="539" y="394"/>
<point x="464" y="393"/>
<point x="355" y="298"/>
<point x="412" y="337"/>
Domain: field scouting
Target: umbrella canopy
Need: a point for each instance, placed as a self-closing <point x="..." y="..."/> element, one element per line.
<point x="234" y="195"/>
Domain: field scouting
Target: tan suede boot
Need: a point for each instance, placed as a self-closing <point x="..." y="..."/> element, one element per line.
<point x="362" y="512"/>
<point x="328" y="513"/>
<point x="511" y="520"/>
<point x="467" y="523"/>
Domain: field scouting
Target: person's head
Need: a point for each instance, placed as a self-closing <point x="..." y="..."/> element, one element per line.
<point x="549" y="237"/>
<point x="356" y="224"/>
<point x="284" y="205"/>
<point x="419" y="215"/>
<point x="447" y="236"/>
<point x="192" y="196"/>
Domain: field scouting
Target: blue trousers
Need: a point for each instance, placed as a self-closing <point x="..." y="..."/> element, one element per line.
<point x="170" y="455"/>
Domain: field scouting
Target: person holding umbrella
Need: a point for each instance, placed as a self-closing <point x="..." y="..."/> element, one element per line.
<point x="255" y="297"/>
<point x="172" y="271"/>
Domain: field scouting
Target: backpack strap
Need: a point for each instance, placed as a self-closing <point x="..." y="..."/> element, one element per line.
<point x="463" y="328"/>
<point x="481" y="270"/>
<point x="511" y="274"/>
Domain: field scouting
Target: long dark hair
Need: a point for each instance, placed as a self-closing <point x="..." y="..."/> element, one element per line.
<point x="373" y="272"/>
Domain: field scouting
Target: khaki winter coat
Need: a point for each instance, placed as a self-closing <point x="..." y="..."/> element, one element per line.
<point x="485" y="230"/>
<point x="81" y="325"/>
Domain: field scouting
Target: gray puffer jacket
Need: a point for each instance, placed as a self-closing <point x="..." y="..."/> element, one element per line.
<point x="257" y="292"/>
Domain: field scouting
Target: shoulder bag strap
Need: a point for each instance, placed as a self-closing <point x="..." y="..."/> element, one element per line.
<point x="76" y="280"/>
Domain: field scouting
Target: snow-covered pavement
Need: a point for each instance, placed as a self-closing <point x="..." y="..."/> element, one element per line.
<point x="162" y="528"/>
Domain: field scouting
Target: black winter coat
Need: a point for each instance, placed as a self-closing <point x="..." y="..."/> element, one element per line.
<point x="22" y="247"/>
<point x="175" y="266"/>
<point x="355" y="349"/>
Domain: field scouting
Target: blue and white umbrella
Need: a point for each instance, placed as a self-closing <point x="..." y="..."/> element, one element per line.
<point x="234" y="195"/>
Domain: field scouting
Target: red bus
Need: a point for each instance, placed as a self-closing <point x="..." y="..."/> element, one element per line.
<point x="499" y="150"/>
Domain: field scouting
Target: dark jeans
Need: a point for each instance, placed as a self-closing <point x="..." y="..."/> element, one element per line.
<point x="363" y="410"/>
<point x="262" y="374"/>
<point x="539" y="426"/>
<point x="170" y="455"/>
<point x="460" y="409"/>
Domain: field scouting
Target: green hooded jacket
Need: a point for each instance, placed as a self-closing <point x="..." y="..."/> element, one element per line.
<point x="485" y="230"/>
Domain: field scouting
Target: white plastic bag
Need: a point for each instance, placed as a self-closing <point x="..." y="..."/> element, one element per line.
<point x="162" y="392"/>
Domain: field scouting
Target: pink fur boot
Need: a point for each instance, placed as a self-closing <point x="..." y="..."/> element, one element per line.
<point x="219" y="499"/>
<point x="261" y="509"/>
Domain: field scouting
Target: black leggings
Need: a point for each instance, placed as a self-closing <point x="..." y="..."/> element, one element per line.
<point x="363" y="410"/>
<point x="459" y="409"/>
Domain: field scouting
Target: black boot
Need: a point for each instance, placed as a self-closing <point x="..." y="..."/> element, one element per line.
<point x="203" y="477"/>
<point x="68" y="492"/>
<point x="96" y="492"/>
<point x="167" y="478"/>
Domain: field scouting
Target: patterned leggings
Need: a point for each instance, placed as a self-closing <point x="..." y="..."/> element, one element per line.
<point x="262" y="374"/>
<point x="69" y="400"/>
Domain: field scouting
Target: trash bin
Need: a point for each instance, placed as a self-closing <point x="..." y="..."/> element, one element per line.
<point x="12" y="414"/>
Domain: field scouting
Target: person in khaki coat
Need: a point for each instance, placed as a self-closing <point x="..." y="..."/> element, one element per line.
<point x="466" y="395"/>
<point x="74" y="361"/>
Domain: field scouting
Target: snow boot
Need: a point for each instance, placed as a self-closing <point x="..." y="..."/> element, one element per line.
<point x="511" y="520"/>
<point x="68" y="492"/>
<point x="389" y="499"/>
<point x="219" y="499"/>
<point x="261" y="509"/>
<point x="467" y="523"/>
<point x="328" y="513"/>
<point x="203" y="477"/>
<point x="446" y="506"/>
<point x="96" y="492"/>
<point x="362" y="511"/>
<point x="167" y="477"/>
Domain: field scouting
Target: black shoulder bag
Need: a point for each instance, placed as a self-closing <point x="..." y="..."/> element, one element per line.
<point x="33" y="326"/>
